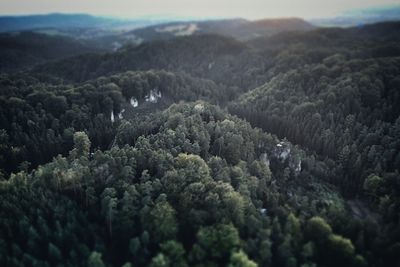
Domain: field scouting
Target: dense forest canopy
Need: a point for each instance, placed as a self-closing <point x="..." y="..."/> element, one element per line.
<point x="202" y="150"/>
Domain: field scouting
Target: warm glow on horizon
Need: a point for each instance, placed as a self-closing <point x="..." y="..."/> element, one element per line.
<point x="251" y="9"/>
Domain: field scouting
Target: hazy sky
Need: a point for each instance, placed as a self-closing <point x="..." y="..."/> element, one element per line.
<point x="196" y="8"/>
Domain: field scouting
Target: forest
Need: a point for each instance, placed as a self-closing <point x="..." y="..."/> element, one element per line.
<point x="257" y="147"/>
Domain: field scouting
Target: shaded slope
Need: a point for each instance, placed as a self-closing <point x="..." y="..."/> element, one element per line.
<point x="25" y="49"/>
<point x="218" y="58"/>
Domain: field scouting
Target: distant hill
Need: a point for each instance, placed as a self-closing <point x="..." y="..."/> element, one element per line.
<point x="102" y="32"/>
<point x="382" y="30"/>
<point x="240" y="29"/>
<point x="221" y="59"/>
<point x="385" y="32"/>
<point x="217" y="57"/>
<point x="361" y="16"/>
<point x="25" y="49"/>
<point x="198" y="55"/>
<point x="111" y="34"/>
<point x="64" y="21"/>
<point x="268" y="27"/>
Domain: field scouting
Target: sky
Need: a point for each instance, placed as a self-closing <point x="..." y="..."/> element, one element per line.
<point x="250" y="9"/>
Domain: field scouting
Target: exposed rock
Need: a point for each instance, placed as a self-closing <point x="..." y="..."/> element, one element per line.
<point x="179" y="30"/>
<point x="134" y="102"/>
<point x="120" y="114"/>
<point x="199" y="107"/>
<point x="116" y="46"/>
<point x="298" y="167"/>
<point x="112" y="116"/>
<point x="282" y="151"/>
<point x="153" y="96"/>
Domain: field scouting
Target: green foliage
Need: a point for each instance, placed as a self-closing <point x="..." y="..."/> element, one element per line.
<point x="215" y="243"/>
<point x="108" y="206"/>
<point x="373" y="184"/>
<point x="81" y="145"/>
<point x="240" y="259"/>
<point x="95" y="260"/>
<point x="318" y="230"/>
<point x="340" y="248"/>
<point x="159" y="261"/>
<point x="162" y="222"/>
<point x="175" y="253"/>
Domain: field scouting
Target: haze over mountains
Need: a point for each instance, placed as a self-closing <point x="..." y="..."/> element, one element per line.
<point x="112" y="33"/>
<point x="63" y="21"/>
<point x="35" y="37"/>
<point x="70" y="35"/>
<point x="361" y="16"/>
<point x="238" y="28"/>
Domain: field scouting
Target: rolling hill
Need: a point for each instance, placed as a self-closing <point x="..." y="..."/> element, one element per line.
<point x="240" y="29"/>
<point x="65" y="21"/>
<point x="26" y="49"/>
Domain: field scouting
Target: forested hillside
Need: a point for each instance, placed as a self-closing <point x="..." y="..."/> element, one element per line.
<point x="203" y="150"/>
<point x="25" y="49"/>
<point x="240" y="29"/>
